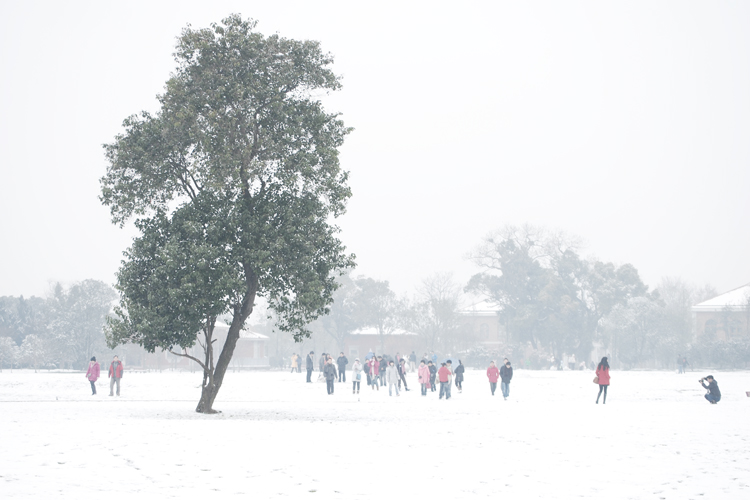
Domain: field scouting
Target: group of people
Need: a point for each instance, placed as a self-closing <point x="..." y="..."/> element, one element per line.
<point x="115" y="374"/>
<point x="380" y="370"/>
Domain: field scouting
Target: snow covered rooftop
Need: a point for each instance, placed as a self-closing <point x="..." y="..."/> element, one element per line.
<point x="371" y="330"/>
<point x="481" y="308"/>
<point x="736" y="300"/>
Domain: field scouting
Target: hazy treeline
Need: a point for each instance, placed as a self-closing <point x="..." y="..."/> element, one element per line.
<point x="552" y="303"/>
<point x="62" y="330"/>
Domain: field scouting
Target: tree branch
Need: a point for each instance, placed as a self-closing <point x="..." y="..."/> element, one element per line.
<point x="186" y="355"/>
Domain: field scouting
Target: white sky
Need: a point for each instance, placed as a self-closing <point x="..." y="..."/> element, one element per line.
<point x="625" y="123"/>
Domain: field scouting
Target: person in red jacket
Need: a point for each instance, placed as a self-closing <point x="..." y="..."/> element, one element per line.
<point x="493" y="373"/>
<point x="374" y="371"/>
<point x="115" y="374"/>
<point x="444" y="375"/>
<point x="602" y="373"/>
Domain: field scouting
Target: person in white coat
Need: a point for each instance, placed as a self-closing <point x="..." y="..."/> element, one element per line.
<point x="356" y="375"/>
<point x="392" y="377"/>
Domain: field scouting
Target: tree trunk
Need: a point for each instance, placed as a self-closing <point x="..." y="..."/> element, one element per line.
<point x="211" y="389"/>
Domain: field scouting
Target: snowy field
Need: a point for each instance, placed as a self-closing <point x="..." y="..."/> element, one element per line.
<point x="278" y="437"/>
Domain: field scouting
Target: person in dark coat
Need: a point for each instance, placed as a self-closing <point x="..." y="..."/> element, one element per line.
<point x="342" y="362"/>
<point x="459" y="372"/>
<point x="506" y="373"/>
<point x="714" y="395"/>
<point x="433" y="373"/>
<point x="602" y="373"/>
<point x="309" y="364"/>
<point x="383" y="364"/>
<point x="413" y="361"/>
<point x="329" y="372"/>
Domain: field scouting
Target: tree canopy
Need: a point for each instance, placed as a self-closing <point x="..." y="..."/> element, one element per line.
<point x="233" y="186"/>
<point x="548" y="295"/>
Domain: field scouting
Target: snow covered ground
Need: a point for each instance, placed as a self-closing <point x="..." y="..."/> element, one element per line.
<point x="278" y="437"/>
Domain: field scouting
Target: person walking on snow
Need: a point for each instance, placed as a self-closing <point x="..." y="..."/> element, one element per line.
<point x="460" y="376"/>
<point x="115" y="374"/>
<point x="374" y="373"/>
<point x="506" y="373"/>
<point x="356" y="375"/>
<point x="602" y="374"/>
<point x="433" y="374"/>
<point x="444" y="375"/>
<point x="412" y="361"/>
<point x="93" y="374"/>
<point x="309" y="364"/>
<point x="392" y="377"/>
<point x="423" y="373"/>
<point x="493" y="374"/>
<point x="342" y="362"/>
<point x="329" y="372"/>
<point x="402" y="374"/>
<point x="295" y="366"/>
<point x="382" y="364"/>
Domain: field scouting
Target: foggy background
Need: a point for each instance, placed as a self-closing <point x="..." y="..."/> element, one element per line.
<point x="626" y="125"/>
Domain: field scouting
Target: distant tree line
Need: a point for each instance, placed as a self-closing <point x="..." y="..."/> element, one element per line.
<point x="552" y="303"/>
<point x="62" y="330"/>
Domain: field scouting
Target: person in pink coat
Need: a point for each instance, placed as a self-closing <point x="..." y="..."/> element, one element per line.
<point x="493" y="374"/>
<point x="602" y="373"/>
<point x="93" y="374"/>
<point x="424" y="377"/>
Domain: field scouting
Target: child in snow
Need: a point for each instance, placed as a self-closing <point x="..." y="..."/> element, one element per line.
<point x="493" y="373"/>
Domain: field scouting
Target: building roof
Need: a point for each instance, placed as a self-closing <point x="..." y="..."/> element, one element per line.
<point x="481" y="308"/>
<point x="735" y="300"/>
<point x="244" y="334"/>
<point x="371" y="330"/>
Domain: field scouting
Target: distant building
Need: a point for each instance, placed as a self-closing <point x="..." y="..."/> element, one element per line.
<point x="725" y="316"/>
<point x="361" y="341"/>
<point x="481" y="323"/>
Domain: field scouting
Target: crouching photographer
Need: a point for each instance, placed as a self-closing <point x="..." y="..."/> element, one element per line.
<point x="714" y="395"/>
